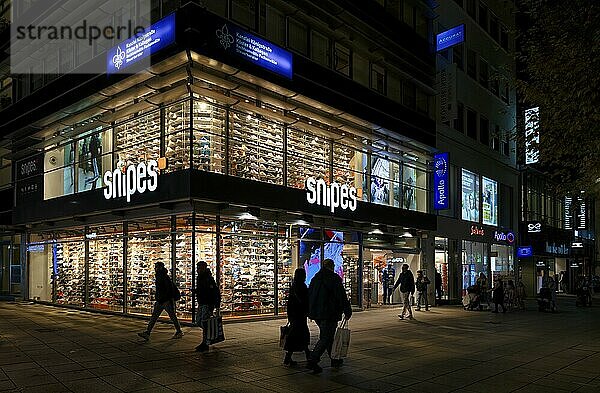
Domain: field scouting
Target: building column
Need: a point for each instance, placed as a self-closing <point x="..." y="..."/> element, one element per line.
<point x="428" y="263"/>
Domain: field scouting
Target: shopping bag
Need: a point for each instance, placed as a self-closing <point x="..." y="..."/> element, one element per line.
<point x="214" y="330"/>
<point x="341" y="341"/>
<point x="284" y="331"/>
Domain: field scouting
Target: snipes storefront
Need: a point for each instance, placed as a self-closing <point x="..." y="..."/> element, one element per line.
<point x="199" y="160"/>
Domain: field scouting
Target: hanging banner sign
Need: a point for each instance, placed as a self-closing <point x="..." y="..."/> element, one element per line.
<point x="441" y="189"/>
<point x="451" y="37"/>
<point x="255" y="50"/>
<point x="151" y="40"/>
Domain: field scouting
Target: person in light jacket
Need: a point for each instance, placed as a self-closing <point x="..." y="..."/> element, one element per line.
<point x="327" y="302"/>
<point x="406" y="281"/>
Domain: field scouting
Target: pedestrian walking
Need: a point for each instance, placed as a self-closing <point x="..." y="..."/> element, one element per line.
<point x="438" y="287"/>
<point x="327" y="302"/>
<point x="164" y="299"/>
<point x="208" y="297"/>
<point x="298" y="337"/>
<point x="509" y="295"/>
<point x="421" y="284"/>
<point x="483" y="288"/>
<point x="552" y="286"/>
<point x="498" y="296"/>
<point x="406" y="281"/>
<point x="521" y="294"/>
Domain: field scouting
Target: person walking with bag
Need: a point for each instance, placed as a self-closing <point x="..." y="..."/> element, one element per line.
<point x="498" y="296"/>
<point x="208" y="297"/>
<point x="406" y="281"/>
<point x="165" y="296"/>
<point x="298" y="337"/>
<point x="327" y="302"/>
<point x="421" y="285"/>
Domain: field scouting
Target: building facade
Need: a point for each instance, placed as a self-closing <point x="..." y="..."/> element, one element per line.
<point x="265" y="136"/>
<point x="478" y="231"/>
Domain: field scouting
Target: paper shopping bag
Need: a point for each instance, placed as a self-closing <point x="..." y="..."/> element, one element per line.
<point x="341" y="341"/>
<point x="214" y="333"/>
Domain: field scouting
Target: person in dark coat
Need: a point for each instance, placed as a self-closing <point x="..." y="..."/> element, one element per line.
<point x="406" y="281"/>
<point x="164" y="300"/>
<point x="208" y="297"/>
<point x="498" y="296"/>
<point x="438" y="287"/>
<point x="327" y="302"/>
<point x="297" y="311"/>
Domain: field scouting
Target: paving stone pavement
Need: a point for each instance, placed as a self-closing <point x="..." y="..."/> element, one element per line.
<point x="48" y="349"/>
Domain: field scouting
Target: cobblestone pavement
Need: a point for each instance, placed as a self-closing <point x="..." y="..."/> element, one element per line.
<point x="47" y="349"/>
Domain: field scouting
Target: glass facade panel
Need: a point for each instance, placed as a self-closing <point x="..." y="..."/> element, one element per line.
<point x="441" y="265"/>
<point x="474" y="262"/>
<point x="308" y="156"/>
<point x="501" y="261"/>
<point x="209" y="137"/>
<point x="177" y="136"/>
<point x="106" y="272"/>
<point x="68" y="260"/>
<point x="138" y="140"/>
<point x="350" y="168"/>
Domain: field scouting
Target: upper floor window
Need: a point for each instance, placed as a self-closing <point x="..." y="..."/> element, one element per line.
<point x="458" y="56"/>
<point x="472" y="64"/>
<point x="342" y="59"/>
<point x="459" y="122"/>
<point x="274" y="25"/>
<point x="472" y="8"/>
<point x="297" y="36"/>
<point x="244" y="12"/>
<point x="483" y="73"/>
<point x="471" y="123"/>
<point x="483" y="16"/>
<point x="320" y="48"/>
<point x="378" y="78"/>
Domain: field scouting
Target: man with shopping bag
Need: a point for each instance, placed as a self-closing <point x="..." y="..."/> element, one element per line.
<point x="327" y="302"/>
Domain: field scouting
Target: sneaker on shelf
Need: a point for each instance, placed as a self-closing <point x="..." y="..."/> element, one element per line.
<point x="144" y="335"/>
<point x="178" y="335"/>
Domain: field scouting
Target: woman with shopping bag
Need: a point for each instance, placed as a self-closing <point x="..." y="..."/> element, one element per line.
<point x="208" y="297"/>
<point x="298" y="335"/>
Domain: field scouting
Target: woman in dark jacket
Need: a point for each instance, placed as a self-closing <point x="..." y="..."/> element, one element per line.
<point x="208" y="297"/>
<point x="297" y="312"/>
<point x="498" y="296"/>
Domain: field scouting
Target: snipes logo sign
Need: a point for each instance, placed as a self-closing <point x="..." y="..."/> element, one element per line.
<point x="332" y="196"/>
<point x="134" y="178"/>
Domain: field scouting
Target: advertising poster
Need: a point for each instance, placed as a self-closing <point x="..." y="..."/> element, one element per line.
<point x="380" y="185"/>
<point x="310" y="251"/>
<point x="333" y="250"/>
<point x="409" y="181"/>
<point x="470" y="196"/>
<point x="89" y="163"/>
<point x="489" y="199"/>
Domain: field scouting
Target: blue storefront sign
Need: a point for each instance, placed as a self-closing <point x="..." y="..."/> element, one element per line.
<point x="440" y="182"/>
<point x="451" y="37"/>
<point x="524" y="252"/>
<point x="154" y="38"/>
<point x="255" y="49"/>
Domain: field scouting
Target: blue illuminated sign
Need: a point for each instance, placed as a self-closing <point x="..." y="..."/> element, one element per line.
<point x="154" y="38"/>
<point x="256" y="50"/>
<point x="451" y="37"/>
<point x="524" y="252"/>
<point x="440" y="182"/>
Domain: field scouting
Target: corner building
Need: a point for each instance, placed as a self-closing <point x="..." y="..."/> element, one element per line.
<point x="247" y="103"/>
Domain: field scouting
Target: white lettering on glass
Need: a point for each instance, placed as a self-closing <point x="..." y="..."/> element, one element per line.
<point x="136" y="178"/>
<point x="332" y="196"/>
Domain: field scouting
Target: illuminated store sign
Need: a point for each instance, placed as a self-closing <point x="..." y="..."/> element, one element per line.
<point x="568" y="217"/>
<point x="151" y="40"/>
<point x="256" y="50"/>
<point x="489" y="200"/>
<point x="440" y="180"/>
<point x="560" y="249"/>
<point x="524" y="252"/>
<point x="577" y="245"/>
<point x="332" y="196"/>
<point x="534" y="227"/>
<point x="504" y="237"/>
<point x="135" y="178"/>
<point x="477" y="231"/>
<point x="451" y="37"/>
<point x="470" y="196"/>
<point x="532" y="135"/>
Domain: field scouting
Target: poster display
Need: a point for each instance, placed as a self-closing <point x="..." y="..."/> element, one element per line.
<point x="380" y="184"/>
<point x="470" y="196"/>
<point x="489" y="199"/>
<point x="409" y="180"/>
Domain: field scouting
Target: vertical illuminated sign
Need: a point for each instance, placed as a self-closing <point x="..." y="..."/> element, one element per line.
<point x="568" y="220"/>
<point x="532" y="135"/>
<point x="489" y="201"/>
<point x="440" y="180"/>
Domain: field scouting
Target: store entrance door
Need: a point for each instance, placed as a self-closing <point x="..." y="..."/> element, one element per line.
<point x="386" y="266"/>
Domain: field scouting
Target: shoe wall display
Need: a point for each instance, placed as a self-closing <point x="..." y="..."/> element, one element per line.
<point x="138" y="140"/>
<point x="69" y="272"/>
<point x="209" y="137"/>
<point x="247" y="274"/>
<point x="106" y="273"/>
<point x="144" y="249"/>
<point x="285" y="272"/>
<point x="255" y="148"/>
<point x="177" y="136"/>
<point x="308" y="156"/>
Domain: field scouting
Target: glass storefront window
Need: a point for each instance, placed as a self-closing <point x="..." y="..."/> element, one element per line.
<point x="106" y="270"/>
<point x="209" y="136"/>
<point x="350" y="168"/>
<point x="307" y="156"/>
<point x="177" y="136"/>
<point x="59" y="171"/>
<point x="68" y="265"/>
<point x="285" y="267"/>
<point x="256" y="148"/>
<point x="138" y="140"/>
<point x="144" y="249"/>
<point x="501" y="261"/>
<point x="89" y="162"/>
<point x="474" y="262"/>
<point x="414" y="188"/>
<point x="441" y="264"/>
<point x="380" y="180"/>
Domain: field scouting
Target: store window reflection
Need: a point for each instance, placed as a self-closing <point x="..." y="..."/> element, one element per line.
<point x="441" y="266"/>
<point x="474" y="262"/>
